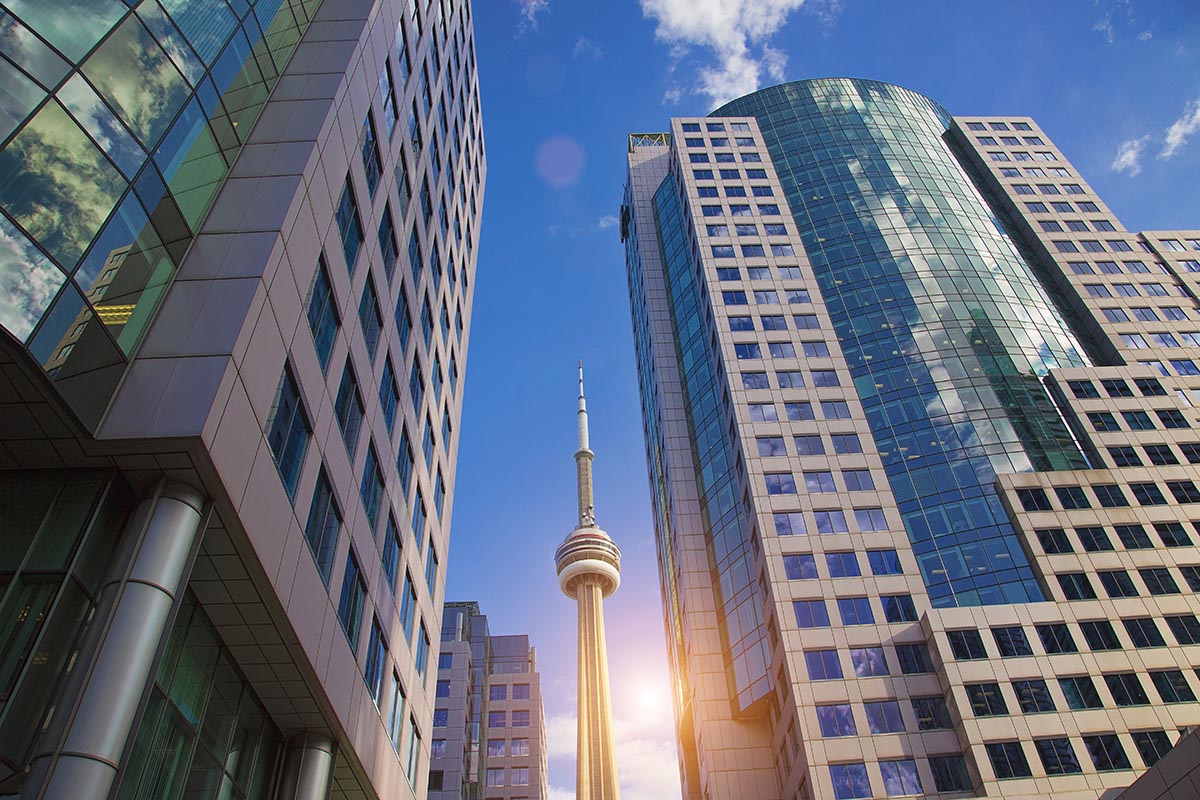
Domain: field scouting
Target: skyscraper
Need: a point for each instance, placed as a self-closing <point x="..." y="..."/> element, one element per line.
<point x="920" y="419"/>
<point x="489" y="726"/>
<point x="237" y="250"/>
<point x="589" y="570"/>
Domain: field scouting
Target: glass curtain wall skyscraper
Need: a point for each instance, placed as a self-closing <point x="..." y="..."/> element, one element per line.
<point x="924" y="407"/>
<point x="237" y="255"/>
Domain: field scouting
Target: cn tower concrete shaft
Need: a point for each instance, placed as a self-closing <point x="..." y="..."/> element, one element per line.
<point x="596" y="770"/>
<point x="589" y="569"/>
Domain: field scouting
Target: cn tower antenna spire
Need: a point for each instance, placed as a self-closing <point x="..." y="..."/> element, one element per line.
<point x="583" y="462"/>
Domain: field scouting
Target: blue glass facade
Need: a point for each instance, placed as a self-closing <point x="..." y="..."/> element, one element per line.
<point x="945" y="326"/>
<point x="119" y="121"/>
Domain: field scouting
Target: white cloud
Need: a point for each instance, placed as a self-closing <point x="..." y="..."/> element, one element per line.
<point x="672" y="95"/>
<point x="529" y="13"/>
<point x="1129" y="156"/>
<point x="586" y="48"/>
<point x="606" y="222"/>
<point x="1104" y="27"/>
<point x="647" y="765"/>
<point x="1146" y="35"/>
<point x="738" y="34"/>
<point x="1179" y="131"/>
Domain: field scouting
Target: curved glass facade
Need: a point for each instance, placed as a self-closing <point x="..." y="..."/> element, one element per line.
<point x="117" y="127"/>
<point x="946" y="329"/>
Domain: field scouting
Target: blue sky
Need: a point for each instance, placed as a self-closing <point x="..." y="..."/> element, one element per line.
<point x="1116" y="83"/>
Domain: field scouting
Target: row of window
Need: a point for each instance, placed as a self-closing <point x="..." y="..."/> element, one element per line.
<point x="751" y="251"/>
<point x="828" y="521"/>
<point x="1011" y="141"/>
<point x="740" y="210"/>
<point x="778" y="322"/>
<point x="735" y="190"/>
<point x="966" y="644"/>
<point x="1113" y="268"/>
<point x="793" y="379"/>
<point x="1038" y="172"/>
<point x="806" y="445"/>
<point x="1059" y="206"/>
<point x="1095" y="539"/>
<point x="750" y="229"/>
<point x="1077" y="226"/>
<point x="517" y="776"/>
<point x="725" y="157"/>
<point x="800" y="411"/>
<point x="719" y="141"/>
<point x="765" y="297"/>
<point x="857" y="611"/>
<point x="1158" y="581"/>
<point x="1116" y="387"/>
<point x="1137" y="341"/>
<point x="1092" y="246"/>
<point x="1109" y="495"/>
<point x="1057" y="754"/>
<point x="499" y="691"/>
<point x="900" y="777"/>
<point x="730" y="174"/>
<point x="840" y="564"/>
<point x="999" y="126"/>
<point x="1151" y="289"/>
<point x="716" y="127"/>
<point x="1049" y="189"/>
<point x="1022" y="155"/>
<point x="1034" y="697"/>
<point x="518" y="718"/>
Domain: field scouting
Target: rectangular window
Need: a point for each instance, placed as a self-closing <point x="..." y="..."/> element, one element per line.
<point x="1185" y="628"/>
<point x="884" y="717"/>
<point x="899" y="608"/>
<point x="811" y="613"/>
<point x="1172" y="686"/>
<point x="322" y="314"/>
<point x="1126" y="689"/>
<point x="376" y="659"/>
<point x="1100" y="635"/>
<point x="800" y="567"/>
<point x="836" y="720"/>
<point x="850" y="781"/>
<point x="931" y="713"/>
<point x="370" y="317"/>
<point x="1106" y="752"/>
<point x="1151" y="745"/>
<point x="986" y="699"/>
<point x="349" y="225"/>
<point x="900" y="778"/>
<point x="884" y="562"/>
<point x="288" y="431"/>
<point x="323" y="525"/>
<point x="350" y="604"/>
<point x="855" y="611"/>
<point x="966" y="644"/>
<point x="1011" y="642"/>
<point x="1033" y="696"/>
<point x="1008" y="760"/>
<point x="914" y="659"/>
<point x="1080" y="692"/>
<point x="1056" y="638"/>
<point x="1057" y="755"/>
<point x="868" y="662"/>
<point x="823" y="665"/>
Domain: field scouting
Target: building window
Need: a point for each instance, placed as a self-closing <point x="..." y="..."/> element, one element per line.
<point x="1033" y="696"/>
<point x="408" y="606"/>
<point x="914" y="659"/>
<point x="370" y="318"/>
<point x="1133" y="537"/>
<point x="884" y="717"/>
<point x="1126" y="689"/>
<point x="900" y="778"/>
<point x="950" y="773"/>
<point x="1151" y="745"/>
<point x="1034" y="499"/>
<point x="376" y="658"/>
<point x="1172" y="686"/>
<point x="868" y="662"/>
<point x="932" y="713"/>
<point x="322" y="314"/>
<point x="836" y="720"/>
<point x="966" y="644"/>
<point x="823" y="665"/>
<point x="1093" y="539"/>
<point x="842" y="564"/>
<point x="1011" y="642"/>
<point x="288" y="432"/>
<point x="1008" y="760"/>
<point x="1056" y="638"/>
<point x="1075" y="586"/>
<point x="855" y="611"/>
<point x="1080" y="692"/>
<point x="422" y="655"/>
<point x="1106" y="752"/>
<point x="800" y="567"/>
<point x="520" y="718"/>
<point x="349" y="225"/>
<point x="811" y="613"/>
<point x="396" y="715"/>
<point x="324" y="523"/>
<point x="350" y="605"/>
<point x="1100" y="635"/>
<point x="899" y="608"/>
<point x="1057" y="755"/>
<point x="850" y="781"/>
<point x="348" y="409"/>
<point x="1143" y="632"/>
<point x="371" y="488"/>
<point x="1158" y="580"/>
<point x="884" y="562"/>
<point x="1053" y="541"/>
<point x="1117" y="583"/>
<point x="986" y="699"/>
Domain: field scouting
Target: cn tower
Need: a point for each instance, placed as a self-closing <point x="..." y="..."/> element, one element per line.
<point x="589" y="569"/>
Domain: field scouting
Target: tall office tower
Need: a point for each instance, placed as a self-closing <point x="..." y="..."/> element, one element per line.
<point x="589" y="570"/>
<point x="493" y="678"/>
<point x="237" y="243"/>
<point x="921" y="434"/>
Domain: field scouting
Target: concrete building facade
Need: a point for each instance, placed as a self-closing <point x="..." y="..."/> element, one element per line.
<point x="920" y="429"/>
<point x="239" y="243"/>
<point x="489" y="723"/>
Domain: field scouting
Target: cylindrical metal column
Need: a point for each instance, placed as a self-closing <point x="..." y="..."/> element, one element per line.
<point x="308" y="768"/>
<point x="79" y="755"/>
